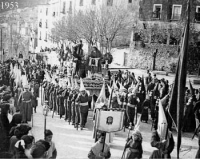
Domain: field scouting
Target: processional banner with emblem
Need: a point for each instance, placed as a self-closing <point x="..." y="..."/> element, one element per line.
<point x="110" y="121"/>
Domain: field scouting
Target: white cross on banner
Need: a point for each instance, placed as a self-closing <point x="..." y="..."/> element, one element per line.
<point x="110" y="121"/>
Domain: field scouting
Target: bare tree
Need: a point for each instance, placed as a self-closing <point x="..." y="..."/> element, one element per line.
<point x="86" y="27"/>
<point x="64" y="30"/>
<point x="101" y="25"/>
<point x="20" y="42"/>
<point x="113" y="23"/>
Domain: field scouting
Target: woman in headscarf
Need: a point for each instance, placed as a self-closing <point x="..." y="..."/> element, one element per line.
<point x="23" y="147"/>
<point x="134" y="146"/>
<point x="19" y="131"/>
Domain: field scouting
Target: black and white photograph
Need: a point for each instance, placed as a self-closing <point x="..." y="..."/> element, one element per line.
<point x="100" y="79"/>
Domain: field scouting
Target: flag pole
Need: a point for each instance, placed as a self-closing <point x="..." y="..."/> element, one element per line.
<point x="182" y="78"/>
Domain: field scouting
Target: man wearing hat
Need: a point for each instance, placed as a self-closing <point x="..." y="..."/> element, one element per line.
<point x="134" y="146"/>
<point x="82" y="103"/>
<point x="26" y="106"/>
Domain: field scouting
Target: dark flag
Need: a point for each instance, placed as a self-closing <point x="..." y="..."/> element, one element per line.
<point x="176" y="105"/>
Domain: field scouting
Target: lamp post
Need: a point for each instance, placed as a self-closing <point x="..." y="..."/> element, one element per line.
<point x="45" y="113"/>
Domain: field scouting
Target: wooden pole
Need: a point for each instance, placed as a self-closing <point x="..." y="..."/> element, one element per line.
<point x="104" y="142"/>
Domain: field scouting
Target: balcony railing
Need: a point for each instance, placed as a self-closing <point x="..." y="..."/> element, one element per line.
<point x="156" y="15"/>
<point x="197" y="17"/>
<point x="176" y="17"/>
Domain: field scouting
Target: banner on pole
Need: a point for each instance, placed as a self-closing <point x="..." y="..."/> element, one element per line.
<point x="110" y="121"/>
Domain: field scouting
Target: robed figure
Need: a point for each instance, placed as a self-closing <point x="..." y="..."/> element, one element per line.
<point x="78" y="56"/>
<point x="94" y="60"/>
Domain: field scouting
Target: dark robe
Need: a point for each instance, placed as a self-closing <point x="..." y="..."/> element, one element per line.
<point x="155" y="142"/>
<point x="145" y="108"/>
<point x="134" y="149"/>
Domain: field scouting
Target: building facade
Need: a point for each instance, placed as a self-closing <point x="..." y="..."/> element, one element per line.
<point x="58" y="9"/>
<point x="168" y="11"/>
<point x="19" y="35"/>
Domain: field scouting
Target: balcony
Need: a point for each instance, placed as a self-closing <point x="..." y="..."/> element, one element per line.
<point x="156" y="15"/>
<point x="197" y="17"/>
<point x="176" y="17"/>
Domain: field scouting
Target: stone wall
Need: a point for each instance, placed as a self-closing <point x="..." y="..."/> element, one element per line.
<point x="142" y="57"/>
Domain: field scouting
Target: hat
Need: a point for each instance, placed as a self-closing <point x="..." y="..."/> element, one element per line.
<point x="76" y="86"/>
<point x="82" y="88"/>
<point x="115" y="86"/>
<point x="69" y="84"/>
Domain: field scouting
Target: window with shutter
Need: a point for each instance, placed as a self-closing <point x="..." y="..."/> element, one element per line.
<point x="197" y="14"/>
<point x="176" y="12"/>
<point x="157" y="9"/>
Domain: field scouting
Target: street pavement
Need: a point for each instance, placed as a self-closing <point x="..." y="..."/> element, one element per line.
<point x="75" y="144"/>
